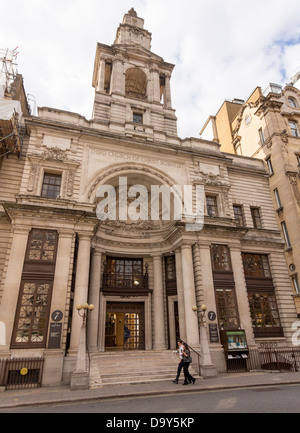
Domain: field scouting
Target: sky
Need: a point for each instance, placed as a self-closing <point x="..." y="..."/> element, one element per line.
<point x="222" y="49"/>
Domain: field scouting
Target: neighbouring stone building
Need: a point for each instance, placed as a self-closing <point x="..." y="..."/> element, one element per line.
<point x="266" y="126"/>
<point x="146" y="276"/>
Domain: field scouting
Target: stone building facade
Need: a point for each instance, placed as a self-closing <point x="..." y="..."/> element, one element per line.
<point x="145" y="276"/>
<point x="266" y="126"/>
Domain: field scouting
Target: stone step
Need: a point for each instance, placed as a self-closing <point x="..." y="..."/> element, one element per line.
<point x="132" y="367"/>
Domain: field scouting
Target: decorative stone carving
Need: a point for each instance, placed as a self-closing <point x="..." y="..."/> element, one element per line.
<point x="54" y="153"/>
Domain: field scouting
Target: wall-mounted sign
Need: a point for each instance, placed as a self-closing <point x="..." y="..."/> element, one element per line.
<point x="211" y="315"/>
<point x="213" y="333"/>
<point x="57" y="315"/>
<point x="55" y="335"/>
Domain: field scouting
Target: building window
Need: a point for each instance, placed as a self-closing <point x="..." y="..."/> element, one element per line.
<point x="261" y="295"/>
<point x="277" y="197"/>
<point x="227" y="308"/>
<point x="256" y="265"/>
<point x="294" y="129"/>
<point x="238" y="215"/>
<point x="286" y="234"/>
<point x="263" y="310"/>
<point x="256" y="219"/>
<point x="270" y="166"/>
<point x="261" y="136"/>
<point x="51" y="185"/>
<point x="137" y="118"/>
<point x="220" y="258"/>
<point x="33" y="311"/>
<point x="211" y="205"/>
<point x="42" y="246"/>
<point x="292" y="102"/>
<point x="123" y="275"/>
<point x="298" y="159"/>
<point x="170" y="268"/>
<point x="296" y="285"/>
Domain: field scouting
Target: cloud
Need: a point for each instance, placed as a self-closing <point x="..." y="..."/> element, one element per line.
<point x="221" y="49"/>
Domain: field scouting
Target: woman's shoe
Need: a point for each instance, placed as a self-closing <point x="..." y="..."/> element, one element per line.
<point x="175" y="381"/>
<point x="193" y="380"/>
<point x="185" y="383"/>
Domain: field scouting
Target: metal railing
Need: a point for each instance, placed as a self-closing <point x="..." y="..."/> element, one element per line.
<point x="197" y="354"/>
<point x="20" y="373"/>
<point x="279" y="359"/>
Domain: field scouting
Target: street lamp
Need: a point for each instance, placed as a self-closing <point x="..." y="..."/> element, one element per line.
<point x="206" y="366"/>
<point x="86" y="308"/>
<point x="80" y="377"/>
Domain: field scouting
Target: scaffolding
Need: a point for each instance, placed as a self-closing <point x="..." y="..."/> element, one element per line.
<point x="11" y="132"/>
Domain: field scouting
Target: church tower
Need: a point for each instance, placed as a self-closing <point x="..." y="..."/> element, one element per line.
<point x="132" y="85"/>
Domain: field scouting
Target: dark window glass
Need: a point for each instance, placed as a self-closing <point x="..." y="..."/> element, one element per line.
<point x="211" y="205"/>
<point x="220" y="258"/>
<point x="255" y="213"/>
<point x="256" y="265"/>
<point x="51" y="185"/>
<point x="238" y="215"/>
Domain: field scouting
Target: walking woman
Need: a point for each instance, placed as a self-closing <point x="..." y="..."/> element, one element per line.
<point x="188" y="378"/>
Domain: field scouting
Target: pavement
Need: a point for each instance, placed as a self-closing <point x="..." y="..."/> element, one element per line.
<point x="63" y="394"/>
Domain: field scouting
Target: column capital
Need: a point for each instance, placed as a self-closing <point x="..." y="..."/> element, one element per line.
<point x="85" y="235"/>
<point x="21" y="229"/>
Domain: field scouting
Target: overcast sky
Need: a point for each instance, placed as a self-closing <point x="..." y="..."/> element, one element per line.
<point x="222" y="49"/>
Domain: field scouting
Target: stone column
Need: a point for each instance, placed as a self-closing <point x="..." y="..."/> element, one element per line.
<point x="81" y="287"/>
<point x="167" y="95"/>
<point x="12" y="283"/>
<point x="180" y="295"/>
<point x="207" y="278"/>
<point x="94" y="295"/>
<point x="118" y="79"/>
<point x="155" y="85"/>
<point x="101" y="73"/>
<point x="192" y="329"/>
<point x="54" y="358"/>
<point x="241" y="293"/>
<point x="158" y="304"/>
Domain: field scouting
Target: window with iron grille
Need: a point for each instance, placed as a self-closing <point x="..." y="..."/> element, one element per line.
<point x="220" y="258"/>
<point x="227" y="308"/>
<point x="124" y="272"/>
<point x="263" y="310"/>
<point x="32" y="313"/>
<point x="51" y="185"/>
<point x="256" y="265"/>
<point x="41" y="246"/>
<point x="261" y="295"/>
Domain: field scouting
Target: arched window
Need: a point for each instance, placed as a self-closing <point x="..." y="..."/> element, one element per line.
<point x="136" y="83"/>
<point x="292" y="102"/>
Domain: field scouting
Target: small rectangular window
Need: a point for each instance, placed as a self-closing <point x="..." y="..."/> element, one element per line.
<point x="256" y="219"/>
<point x="270" y="166"/>
<point x="294" y="129"/>
<point x="51" y="185"/>
<point x="296" y="285"/>
<point x="277" y="197"/>
<point x="238" y="215"/>
<point x="286" y="234"/>
<point x="211" y="205"/>
<point x="138" y="118"/>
